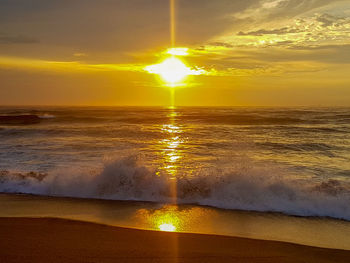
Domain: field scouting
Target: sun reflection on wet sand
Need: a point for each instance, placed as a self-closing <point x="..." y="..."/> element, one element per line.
<point x="171" y="218"/>
<point x="164" y="219"/>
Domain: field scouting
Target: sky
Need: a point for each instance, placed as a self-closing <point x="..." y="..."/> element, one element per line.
<point x="249" y="53"/>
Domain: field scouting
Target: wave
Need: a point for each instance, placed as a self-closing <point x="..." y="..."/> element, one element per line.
<point x="320" y="148"/>
<point x="300" y="121"/>
<point x="47" y="116"/>
<point x="245" y="187"/>
<point x="24" y="119"/>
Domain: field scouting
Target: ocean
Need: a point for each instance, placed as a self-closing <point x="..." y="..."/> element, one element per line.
<point x="294" y="161"/>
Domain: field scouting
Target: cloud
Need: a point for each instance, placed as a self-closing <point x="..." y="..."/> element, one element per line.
<point x="281" y="9"/>
<point x="17" y="39"/>
<point x="261" y="32"/>
<point x="80" y="54"/>
<point x="327" y="20"/>
<point x="64" y="66"/>
<point x="315" y="29"/>
<point x="115" y="27"/>
<point x="332" y="54"/>
<point x="224" y="36"/>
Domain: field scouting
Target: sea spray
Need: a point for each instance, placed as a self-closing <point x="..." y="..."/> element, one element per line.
<point x="246" y="186"/>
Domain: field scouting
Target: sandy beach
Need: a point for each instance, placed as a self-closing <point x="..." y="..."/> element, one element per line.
<point x="61" y="240"/>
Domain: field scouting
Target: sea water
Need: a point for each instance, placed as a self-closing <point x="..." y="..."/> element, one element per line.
<point x="294" y="161"/>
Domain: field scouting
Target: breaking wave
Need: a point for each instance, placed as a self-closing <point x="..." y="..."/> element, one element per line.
<point x="244" y="187"/>
<point x="23" y="119"/>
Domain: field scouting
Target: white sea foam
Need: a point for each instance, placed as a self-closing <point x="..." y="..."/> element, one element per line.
<point x="245" y="187"/>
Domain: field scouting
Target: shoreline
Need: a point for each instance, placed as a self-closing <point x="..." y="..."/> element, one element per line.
<point x="316" y="232"/>
<point x="155" y="203"/>
<point x="25" y="239"/>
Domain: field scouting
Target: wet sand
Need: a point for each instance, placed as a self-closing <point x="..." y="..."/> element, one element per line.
<point x="309" y="231"/>
<point x="61" y="240"/>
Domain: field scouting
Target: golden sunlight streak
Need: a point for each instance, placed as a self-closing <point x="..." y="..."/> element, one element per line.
<point x="172" y="22"/>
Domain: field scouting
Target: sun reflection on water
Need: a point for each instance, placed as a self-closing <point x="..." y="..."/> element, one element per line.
<point x="170" y="146"/>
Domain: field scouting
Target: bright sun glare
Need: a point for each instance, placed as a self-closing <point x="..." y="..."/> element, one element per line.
<point x="178" y="51"/>
<point x="173" y="70"/>
<point x="167" y="227"/>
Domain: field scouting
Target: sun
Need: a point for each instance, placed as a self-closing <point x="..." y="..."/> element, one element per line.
<point x="172" y="69"/>
<point x="167" y="227"/>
